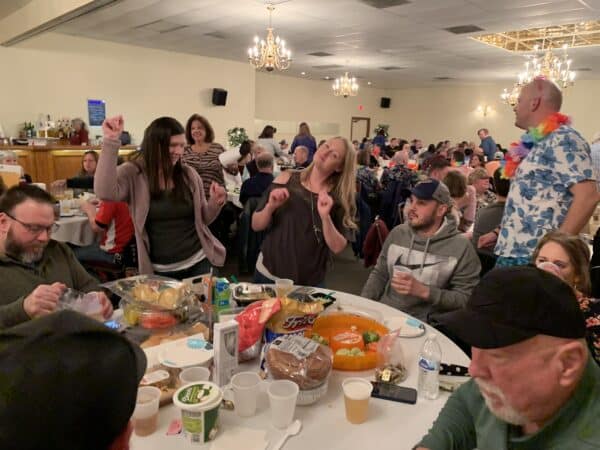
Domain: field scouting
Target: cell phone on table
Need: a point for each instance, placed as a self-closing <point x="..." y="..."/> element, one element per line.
<point x="390" y="391"/>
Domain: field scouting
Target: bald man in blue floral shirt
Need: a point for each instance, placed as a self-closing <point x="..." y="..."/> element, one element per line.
<point x="553" y="187"/>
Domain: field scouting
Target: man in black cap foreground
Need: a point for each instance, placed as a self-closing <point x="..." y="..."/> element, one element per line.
<point x="67" y="382"/>
<point x="534" y="385"/>
<point x="425" y="266"/>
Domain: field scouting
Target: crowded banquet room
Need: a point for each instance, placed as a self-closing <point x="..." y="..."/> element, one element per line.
<point x="291" y="224"/>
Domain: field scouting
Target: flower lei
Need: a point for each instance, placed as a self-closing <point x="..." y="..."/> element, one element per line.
<point x="518" y="151"/>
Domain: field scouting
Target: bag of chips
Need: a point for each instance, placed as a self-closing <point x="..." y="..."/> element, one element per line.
<point x="294" y="317"/>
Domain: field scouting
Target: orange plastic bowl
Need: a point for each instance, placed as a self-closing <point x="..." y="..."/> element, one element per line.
<point x="329" y="325"/>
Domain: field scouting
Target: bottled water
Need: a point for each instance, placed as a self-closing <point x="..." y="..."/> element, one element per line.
<point x="429" y="368"/>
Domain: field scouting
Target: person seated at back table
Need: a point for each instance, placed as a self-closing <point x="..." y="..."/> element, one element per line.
<point x="10" y="158"/>
<point x="490" y="217"/>
<point x="534" y="385"/>
<point x="258" y="184"/>
<point x="85" y="177"/>
<point x="425" y="265"/>
<point x="72" y="377"/>
<point x="35" y="269"/>
<point x="301" y="157"/>
<point x="112" y="222"/>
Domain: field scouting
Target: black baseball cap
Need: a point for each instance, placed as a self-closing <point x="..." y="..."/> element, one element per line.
<point x="66" y="382"/>
<point x="432" y="189"/>
<point x="514" y="304"/>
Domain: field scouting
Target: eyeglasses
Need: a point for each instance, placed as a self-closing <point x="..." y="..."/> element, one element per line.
<point x="37" y="229"/>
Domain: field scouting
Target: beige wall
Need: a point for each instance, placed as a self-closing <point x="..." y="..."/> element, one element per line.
<point x="56" y="74"/>
<point x="434" y="114"/>
<point x="295" y="100"/>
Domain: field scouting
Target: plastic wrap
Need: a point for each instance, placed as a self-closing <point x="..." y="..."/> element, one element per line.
<point x="391" y="364"/>
<point x="84" y="303"/>
<point x="252" y="322"/>
<point x="301" y="360"/>
<point x="153" y="301"/>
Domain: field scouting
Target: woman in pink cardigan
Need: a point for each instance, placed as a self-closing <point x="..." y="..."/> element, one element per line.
<point x="166" y="200"/>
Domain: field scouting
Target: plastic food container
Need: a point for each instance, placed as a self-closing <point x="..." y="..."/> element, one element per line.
<point x="310" y="396"/>
<point x="153" y="302"/>
<point x="199" y="404"/>
<point x="330" y="326"/>
<point x="245" y="293"/>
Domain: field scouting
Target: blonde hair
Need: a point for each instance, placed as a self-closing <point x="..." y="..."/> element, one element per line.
<point x="478" y="174"/>
<point x="578" y="252"/>
<point x="343" y="184"/>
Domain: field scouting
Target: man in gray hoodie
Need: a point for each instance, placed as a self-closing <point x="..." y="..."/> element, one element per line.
<point x="425" y="266"/>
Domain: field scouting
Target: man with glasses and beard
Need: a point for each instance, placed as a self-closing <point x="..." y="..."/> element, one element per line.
<point x="34" y="269"/>
<point x="534" y="385"/>
<point x="425" y="266"/>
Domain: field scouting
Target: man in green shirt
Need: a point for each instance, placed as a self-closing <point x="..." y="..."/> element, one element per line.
<point x="34" y="269"/>
<point x="534" y="384"/>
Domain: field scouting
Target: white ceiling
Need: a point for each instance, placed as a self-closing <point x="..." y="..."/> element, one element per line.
<point x="361" y="38"/>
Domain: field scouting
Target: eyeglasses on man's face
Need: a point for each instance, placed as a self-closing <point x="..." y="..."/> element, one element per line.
<point x="36" y="229"/>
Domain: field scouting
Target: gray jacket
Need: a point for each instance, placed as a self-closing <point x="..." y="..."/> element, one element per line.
<point x="446" y="262"/>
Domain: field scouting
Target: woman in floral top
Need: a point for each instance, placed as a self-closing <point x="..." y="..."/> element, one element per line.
<point x="568" y="258"/>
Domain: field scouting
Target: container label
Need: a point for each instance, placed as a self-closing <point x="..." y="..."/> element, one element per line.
<point x="427" y="364"/>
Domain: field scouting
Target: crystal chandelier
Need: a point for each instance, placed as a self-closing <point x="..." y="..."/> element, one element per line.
<point x="555" y="68"/>
<point x="345" y="86"/>
<point x="270" y="54"/>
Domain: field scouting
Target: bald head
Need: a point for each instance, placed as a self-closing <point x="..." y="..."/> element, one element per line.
<point x="537" y="100"/>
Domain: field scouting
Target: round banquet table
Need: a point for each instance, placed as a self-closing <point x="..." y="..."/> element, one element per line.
<point x="390" y="425"/>
<point x="74" y="230"/>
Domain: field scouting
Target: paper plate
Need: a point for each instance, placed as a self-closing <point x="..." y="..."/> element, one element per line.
<point x="409" y="327"/>
<point x="186" y="353"/>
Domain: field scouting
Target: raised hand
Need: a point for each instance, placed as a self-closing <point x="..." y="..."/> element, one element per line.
<point x="324" y="203"/>
<point x="278" y="197"/>
<point x="113" y="127"/>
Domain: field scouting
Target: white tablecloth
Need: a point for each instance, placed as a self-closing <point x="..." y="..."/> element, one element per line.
<point x="391" y="425"/>
<point x="74" y="230"/>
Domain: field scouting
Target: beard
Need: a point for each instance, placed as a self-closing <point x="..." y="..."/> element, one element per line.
<point x="505" y="412"/>
<point x="25" y="253"/>
<point x="423" y="224"/>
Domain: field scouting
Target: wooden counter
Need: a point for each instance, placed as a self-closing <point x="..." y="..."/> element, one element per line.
<point x="55" y="162"/>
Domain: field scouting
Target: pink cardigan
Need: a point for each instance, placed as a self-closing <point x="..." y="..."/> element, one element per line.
<point x="128" y="183"/>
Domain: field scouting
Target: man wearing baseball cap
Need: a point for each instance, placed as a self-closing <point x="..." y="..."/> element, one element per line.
<point x="67" y="382"/>
<point x="425" y="266"/>
<point x="534" y="385"/>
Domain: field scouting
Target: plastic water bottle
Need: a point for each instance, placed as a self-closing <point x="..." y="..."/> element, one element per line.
<point x="429" y="368"/>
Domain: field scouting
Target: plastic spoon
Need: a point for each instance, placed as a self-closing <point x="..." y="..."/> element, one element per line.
<point x="292" y="430"/>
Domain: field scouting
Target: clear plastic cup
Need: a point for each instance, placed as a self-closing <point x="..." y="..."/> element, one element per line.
<point x="282" y="399"/>
<point x="245" y="387"/>
<point x="357" y="392"/>
<point x="145" y="414"/>
<point x="283" y="287"/>
<point x="194" y="374"/>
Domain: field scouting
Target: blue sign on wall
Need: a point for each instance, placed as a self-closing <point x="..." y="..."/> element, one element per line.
<point x="96" y="112"/>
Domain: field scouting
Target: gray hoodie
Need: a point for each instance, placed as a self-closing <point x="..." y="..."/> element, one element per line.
<point x="446" y="262"/>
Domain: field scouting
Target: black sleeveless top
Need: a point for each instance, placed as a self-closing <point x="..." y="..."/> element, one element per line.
<point x="294" y="246"/>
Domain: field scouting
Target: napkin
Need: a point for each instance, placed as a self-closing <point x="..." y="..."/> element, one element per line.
<point x="239" y="437"/>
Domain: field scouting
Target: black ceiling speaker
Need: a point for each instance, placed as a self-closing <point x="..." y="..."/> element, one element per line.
<point x="385" y="102"/>
<point x="219" y="97"/>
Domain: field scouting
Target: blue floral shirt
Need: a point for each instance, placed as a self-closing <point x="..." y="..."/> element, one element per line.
<point x="539" y="196"/>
